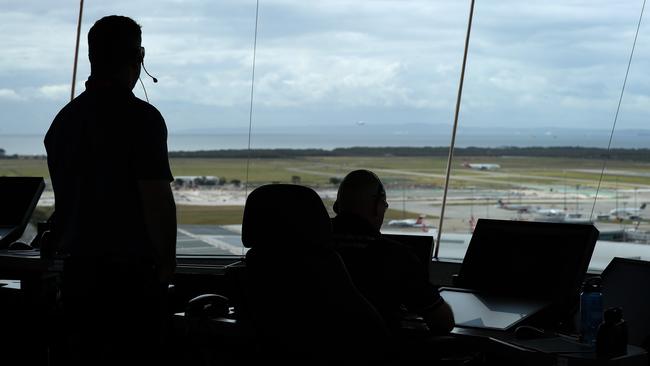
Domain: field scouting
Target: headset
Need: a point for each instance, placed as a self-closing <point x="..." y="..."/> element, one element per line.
<point x="147" y="72"/>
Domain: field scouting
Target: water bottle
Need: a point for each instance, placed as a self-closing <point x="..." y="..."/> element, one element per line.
<point x="591" y="310"/>
<point x="611" y="340"/>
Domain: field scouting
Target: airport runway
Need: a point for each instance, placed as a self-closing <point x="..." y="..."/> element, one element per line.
<point x="209" y="240"/>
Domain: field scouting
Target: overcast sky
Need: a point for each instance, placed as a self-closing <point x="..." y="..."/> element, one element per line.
<point x="548" y="63"/>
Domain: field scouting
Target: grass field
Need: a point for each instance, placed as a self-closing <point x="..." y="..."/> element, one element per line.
<point x="394" y="171"/>
<point x="398" y="173"/>
<point x="209" y="215"/>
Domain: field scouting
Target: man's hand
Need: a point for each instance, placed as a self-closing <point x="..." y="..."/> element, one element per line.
<point x="440" y="319"/>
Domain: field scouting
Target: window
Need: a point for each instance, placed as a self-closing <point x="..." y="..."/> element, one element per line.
<point x="367" y="84"/>
<point x="540" y="98"/>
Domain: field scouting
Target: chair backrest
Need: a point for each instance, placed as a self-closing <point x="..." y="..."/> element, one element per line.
<point x="304" y="305"/>
<point x="290" y="214"/>
<point x="626" y="284"/>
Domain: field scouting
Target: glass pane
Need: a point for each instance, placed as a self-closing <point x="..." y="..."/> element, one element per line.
<point x="365" y="85"/>
<point x="201" y="53"/>
<point x="541" y="93"/>
<point x="35" y="72"/>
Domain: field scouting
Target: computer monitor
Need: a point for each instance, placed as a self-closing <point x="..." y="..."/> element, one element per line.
<point x="527" y="259"/>
<point x="18" y="199"/>
<point x="421" y="245"/>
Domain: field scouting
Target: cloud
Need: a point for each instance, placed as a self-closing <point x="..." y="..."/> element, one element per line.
<point x="9" y="94"/>
<point x="547" y="62"/>
<point x="54" y="92"/>
<point x="35" y="42"/>
<point x="58" y="92"/>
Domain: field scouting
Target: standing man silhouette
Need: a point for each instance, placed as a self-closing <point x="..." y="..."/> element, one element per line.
<point x="115" y="213"/>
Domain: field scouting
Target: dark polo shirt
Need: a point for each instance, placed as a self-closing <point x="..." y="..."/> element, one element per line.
<point x="98" y="147"/>
<point x="386" y="272"/>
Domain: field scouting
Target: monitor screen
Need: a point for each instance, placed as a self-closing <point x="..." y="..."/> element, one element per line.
<point x="18" y="198"/>
<point x="527" y="258"/>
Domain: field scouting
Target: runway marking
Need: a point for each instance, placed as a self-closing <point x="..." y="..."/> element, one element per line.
<point x="213" y="241"/>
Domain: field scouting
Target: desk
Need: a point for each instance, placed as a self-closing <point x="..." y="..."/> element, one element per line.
<point x="558" y="350"/>
<point x="28" y="305"/>
<point x="24" y="263"/>
<point x="37" y="276"/>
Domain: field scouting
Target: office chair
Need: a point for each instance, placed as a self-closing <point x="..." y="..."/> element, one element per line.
<point x="304" y="306"/>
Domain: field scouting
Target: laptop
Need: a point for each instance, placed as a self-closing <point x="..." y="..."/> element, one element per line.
<point x="475" y="310"/>
<point x="513" y="270"/>
<point x="18" y="199"/>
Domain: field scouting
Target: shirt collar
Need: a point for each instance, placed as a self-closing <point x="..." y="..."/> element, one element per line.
<point x="346" y="223"/>
<point x="94" y="84"/>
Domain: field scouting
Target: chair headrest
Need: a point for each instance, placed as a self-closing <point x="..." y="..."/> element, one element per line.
<point x="285" y="214"/>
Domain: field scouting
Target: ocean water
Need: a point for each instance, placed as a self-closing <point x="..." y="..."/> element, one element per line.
<point x="33" y="144"/>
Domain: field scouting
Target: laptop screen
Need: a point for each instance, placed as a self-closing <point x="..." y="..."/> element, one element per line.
<point x="18" y="198"/>
<point x="527" y="259"/>
<point x="490" y="312"/>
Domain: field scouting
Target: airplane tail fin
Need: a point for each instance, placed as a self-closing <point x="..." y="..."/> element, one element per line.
<point x="642" y="206"/>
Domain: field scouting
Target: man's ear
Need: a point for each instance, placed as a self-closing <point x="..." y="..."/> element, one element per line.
<point x="375" y="207"/>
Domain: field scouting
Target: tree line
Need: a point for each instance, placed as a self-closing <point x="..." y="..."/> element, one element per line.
<point x="534" y="151"/>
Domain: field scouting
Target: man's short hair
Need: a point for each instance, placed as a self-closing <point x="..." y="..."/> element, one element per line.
<point x="113" y="42"/>
<point x="359" y="187"/>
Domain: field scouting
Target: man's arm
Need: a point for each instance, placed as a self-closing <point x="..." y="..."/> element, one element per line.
<point x="439" y="318"/>
<point x="160" y="219"/>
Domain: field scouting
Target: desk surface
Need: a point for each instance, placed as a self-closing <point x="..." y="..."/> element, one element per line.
<point x="19" y="263"/>
<point x="550" y="350"/>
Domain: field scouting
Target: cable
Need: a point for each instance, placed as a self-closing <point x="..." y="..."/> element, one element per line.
<point x="436" y="244"/>
<point x="250" y="113"/>
<point x="76" y="49"/>
<point x="145" y="90"/>
<point x="618" y="108"/>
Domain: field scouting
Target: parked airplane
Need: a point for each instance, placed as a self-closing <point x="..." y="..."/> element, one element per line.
<point x="518" y="208"/>
<point x="627" y="212"/>
<point x="481" y="166"/>
<point x="550" y="214"/>
<point x="419" y="222"/>
<point x="555" y="215"/>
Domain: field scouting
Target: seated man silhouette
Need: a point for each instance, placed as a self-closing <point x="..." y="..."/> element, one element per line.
<point x="387" y="272"/>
